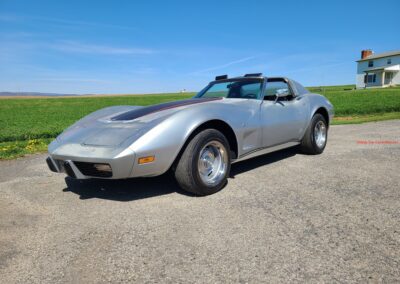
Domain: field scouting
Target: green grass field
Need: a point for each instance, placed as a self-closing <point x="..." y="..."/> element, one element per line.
<point x="350" y="102"/>
<point x="27" y="124"/>
<point x="23" y="119"/>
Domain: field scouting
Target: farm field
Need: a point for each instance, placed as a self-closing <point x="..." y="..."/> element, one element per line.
<point x="28" y="124"/>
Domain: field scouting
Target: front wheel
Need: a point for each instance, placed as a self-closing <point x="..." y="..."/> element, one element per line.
<point x="204" y="166"/>
<point x="316" y="136"/>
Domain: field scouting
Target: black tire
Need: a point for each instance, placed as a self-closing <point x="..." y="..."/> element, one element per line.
<point x="187" y="169"/>
<point x="308" y="144"/>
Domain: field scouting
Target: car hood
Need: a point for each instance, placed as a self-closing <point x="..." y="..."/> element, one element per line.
<point x="113" y="126"/>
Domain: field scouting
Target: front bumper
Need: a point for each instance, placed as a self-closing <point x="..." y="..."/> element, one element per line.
<point x="69" y="158"/>
<point x="84" y="167"/>
<point x="80" y="170"/>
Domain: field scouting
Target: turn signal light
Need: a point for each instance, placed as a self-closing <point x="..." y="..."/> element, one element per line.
<point x="145" y="160"/>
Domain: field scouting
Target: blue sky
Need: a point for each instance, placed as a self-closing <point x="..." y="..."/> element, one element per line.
<point x="165" y="46"/>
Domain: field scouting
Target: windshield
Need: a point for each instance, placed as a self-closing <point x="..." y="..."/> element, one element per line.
<point x="234" y="89"/>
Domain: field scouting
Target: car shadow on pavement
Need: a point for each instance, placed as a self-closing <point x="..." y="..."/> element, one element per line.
<point x="140" y="188"/>
<point x="123" y="190"/>
<point x="260" y="161"/>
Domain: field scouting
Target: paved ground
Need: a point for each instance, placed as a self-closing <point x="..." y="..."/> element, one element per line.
<point x="282" y="217"/>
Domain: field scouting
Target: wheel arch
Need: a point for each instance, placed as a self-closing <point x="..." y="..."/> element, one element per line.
<point x="219" y="125"/>
<point x="324" y="112"/>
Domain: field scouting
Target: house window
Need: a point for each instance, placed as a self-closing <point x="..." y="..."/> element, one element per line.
<point x="371" y="63"/>
<point x="389" y="61"/>
<point x="370" y="78"/>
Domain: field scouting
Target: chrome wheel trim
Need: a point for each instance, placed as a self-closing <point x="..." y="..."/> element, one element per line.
<point x="212" y="163"/>
<point x="320" y="132"/>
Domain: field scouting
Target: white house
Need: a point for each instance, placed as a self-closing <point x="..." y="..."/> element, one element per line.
<point x="378" y="70"/>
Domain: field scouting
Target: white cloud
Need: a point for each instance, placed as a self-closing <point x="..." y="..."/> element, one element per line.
<point x="58" y="22"/>
<point x="317" y="67"/>
<point x="84" y="80"/>
<point x="224" y="65"/>
<point x="78" y="47"/>
<point x="9" y="18"/>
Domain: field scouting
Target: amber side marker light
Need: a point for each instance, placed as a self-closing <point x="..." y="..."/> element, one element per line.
<point x="145" y="160"/>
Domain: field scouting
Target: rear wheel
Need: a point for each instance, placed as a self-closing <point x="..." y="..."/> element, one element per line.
<point x="316" y="136"/>
<point x="204" y="166"/>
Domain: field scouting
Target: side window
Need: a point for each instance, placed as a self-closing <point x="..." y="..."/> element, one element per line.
<point x="273" y="87"/>
<point x="250" y="91"/>
<point x="371" y="63"/>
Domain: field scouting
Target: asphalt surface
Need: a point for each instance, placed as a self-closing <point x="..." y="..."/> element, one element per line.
<point x="282" y="217"/>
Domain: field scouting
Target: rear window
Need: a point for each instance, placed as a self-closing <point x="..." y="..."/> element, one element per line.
<point x="300" y="90"/>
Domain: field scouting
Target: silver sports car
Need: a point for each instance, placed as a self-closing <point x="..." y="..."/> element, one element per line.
<point x="230" y="120"/>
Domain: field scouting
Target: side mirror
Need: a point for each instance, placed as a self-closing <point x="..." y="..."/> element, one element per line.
<point x="281" y="93"/>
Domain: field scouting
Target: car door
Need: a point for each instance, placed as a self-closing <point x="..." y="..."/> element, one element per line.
<point x="283" y="119"/>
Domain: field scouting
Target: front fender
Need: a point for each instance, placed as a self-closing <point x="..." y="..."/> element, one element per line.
<point x="166" y="139"/>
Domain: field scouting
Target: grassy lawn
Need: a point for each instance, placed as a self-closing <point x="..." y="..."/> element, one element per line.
<point x="356" y="119"/>
<point x="14" y="149"/>
<point x="362" y="102"/>
<point x="28" y="124"/>
<point x="23" y="119"/>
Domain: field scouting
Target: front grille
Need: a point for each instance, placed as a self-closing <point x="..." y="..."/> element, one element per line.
<point x="51" y="165"/>
<point x="69" y="170"/>
<point x="94" y="169"/>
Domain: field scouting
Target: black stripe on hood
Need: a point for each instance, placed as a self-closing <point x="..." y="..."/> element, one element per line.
<point x="133" y="114"/>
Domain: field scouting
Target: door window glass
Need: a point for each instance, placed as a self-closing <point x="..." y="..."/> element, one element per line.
<point x="272" y="88"/>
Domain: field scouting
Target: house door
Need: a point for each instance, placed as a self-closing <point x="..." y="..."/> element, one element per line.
<point x="388" y="78"/>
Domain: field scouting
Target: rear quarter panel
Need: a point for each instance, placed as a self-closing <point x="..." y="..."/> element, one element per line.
<point x="317" y="101"/>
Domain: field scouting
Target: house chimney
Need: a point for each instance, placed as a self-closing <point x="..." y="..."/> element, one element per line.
<point x="365" y="53"/>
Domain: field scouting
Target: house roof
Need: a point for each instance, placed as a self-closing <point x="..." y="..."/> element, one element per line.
<point x="380" y="55"/>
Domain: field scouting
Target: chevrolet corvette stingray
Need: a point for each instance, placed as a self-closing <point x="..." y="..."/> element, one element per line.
<point x="230" y="120"/>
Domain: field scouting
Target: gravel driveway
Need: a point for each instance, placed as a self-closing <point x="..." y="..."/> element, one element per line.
<point x="282" y="217"/>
